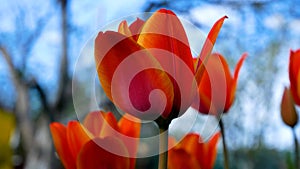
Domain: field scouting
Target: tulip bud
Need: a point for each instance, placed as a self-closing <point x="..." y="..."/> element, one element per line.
<point x="288" y="111"/>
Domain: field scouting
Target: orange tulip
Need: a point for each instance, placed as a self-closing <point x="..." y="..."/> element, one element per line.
<point x="78" y="145"/>
<point x="288" y="111"/>
<point x="217" y="86"/>
<point x="294" y="73"/>
<point x="149" y="55"/>
<point x="192" y="153"/>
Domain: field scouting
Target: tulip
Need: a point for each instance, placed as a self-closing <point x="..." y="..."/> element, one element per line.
<point x="217" y="86"/>
<point x="192" y="153"/>
<point x="146" y="68"/>
<point x="78" y="145"/>
<point x="294" y="74"/>
<point x="288" y="111"/>
<point x="217" y="91"/>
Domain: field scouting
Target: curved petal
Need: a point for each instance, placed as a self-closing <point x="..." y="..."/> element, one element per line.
<point x="136" y="28"/>
<point x="215" y="86"/>
<point x="77" y="136"/>
<point x="129" y="126"/>
<point x="170" y="46"/>
<point x="205" y="152"/>
<point x="231" y="93"/>
<point x="207" y="47"/>
<point x="294" y="74"/>
<point x="239" y="65"/>
<point x="288" y="112"/>
<point x="190" y="143"/>
<point x="124" y="29"/>
<point x="133" y="30"/>
<point x="93" y="156"/>
<point x="101" y="124"/>
<point x="211" y="149"/>
<point x="155" y="34"/>
<point x="128" y="74"/>
<point x="59" y="136"/>
<point x="93" y="122"/>
<point x="110" y="125"/>
<point x="180" y="159"/>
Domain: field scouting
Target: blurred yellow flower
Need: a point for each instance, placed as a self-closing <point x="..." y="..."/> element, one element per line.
<point x="8" y="124"/>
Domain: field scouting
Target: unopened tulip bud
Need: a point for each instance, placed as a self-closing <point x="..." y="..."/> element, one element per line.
<point x="288" y="111"/>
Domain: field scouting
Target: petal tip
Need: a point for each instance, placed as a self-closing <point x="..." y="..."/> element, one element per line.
<point x="166" y="11"/>
<point x="244" y="55"/>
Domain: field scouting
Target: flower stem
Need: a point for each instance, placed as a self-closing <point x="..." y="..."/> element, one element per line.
<point x="225" y="153"/>
<point x="296" y="149"/>
<point x="163" y="149"/>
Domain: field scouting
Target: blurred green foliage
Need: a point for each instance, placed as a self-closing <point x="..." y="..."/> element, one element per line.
<point x="7" y="123"/>
<point x="257" y="158"/>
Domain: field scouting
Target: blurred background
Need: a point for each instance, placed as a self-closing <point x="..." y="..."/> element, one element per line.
<point x="40" y="42"/>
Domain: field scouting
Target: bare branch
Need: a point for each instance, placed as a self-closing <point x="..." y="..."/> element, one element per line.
<point x="63" y="83"/>
<point x="12" y="69"/>
<point x="34" y="35"/>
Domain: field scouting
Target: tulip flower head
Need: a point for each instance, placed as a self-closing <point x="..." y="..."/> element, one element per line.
<point x="294" y="74"/>
<point x="93" y="144"/>
<point x="288" y="111"/>
<point x="217" y="86"/>
<point x="192" y="153"/>
<point x="147" y="69"/>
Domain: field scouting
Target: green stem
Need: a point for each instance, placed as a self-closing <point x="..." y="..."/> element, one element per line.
<point x="163" y="149"/>
<point x="225" y="153"/>
<point x="296" y="149"/>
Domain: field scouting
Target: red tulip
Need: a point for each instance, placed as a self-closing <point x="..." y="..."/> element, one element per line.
<point x="192" y="153"/>
<point x="217" y="86"/>
<point x="78" y="145"/>
<point x="146" y="69"/>
<point x="294" y="73"/>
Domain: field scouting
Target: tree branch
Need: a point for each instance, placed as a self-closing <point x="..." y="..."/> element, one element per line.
<point x="63" y="82"/>
<point x="12" y="70"/>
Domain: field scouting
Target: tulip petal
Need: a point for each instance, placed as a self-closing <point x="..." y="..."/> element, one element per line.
<point x="101" y="124"/>
<point x="94" y="156"/>
<point x="93" y="122"/>
<point x="180" y="159"/>
<point x="59" y="136"/>
<point x="138" y="73"/>
<point x="124" y="29"/>
<point x="294" y="74"/>
<point x="136" y="28"/>
<point x="193" y="145"/>
<point x="212" y="149"/>
<point x="110" y="125"/>
<point x="239" y="65"/>
<point x="155" y="34"/>
<point x="190" y="143"/>
<point x="215" y="86"/>
<point x="77" y="136"/>
<point x="164" y="37"/>
<point x="207" y="47"/>
<point x="235" y="78"/>
<point x="288" y="111"/>
<point x="131" y="128"/>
